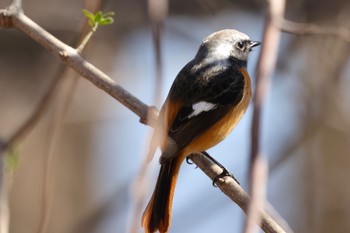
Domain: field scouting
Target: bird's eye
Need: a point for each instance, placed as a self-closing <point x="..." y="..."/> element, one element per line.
<point x="240" y="45"/>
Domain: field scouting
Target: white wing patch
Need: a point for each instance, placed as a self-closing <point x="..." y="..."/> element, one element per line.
<point x="200" y="107"/>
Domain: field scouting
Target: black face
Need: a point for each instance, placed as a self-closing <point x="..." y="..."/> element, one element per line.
<point x="242" y="45"/>
<point x="246" y="45"/>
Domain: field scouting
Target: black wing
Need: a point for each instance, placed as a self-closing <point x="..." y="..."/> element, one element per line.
<point x="223" y="91"/>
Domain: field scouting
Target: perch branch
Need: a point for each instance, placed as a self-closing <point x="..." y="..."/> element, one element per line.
<point x="234" y="191"/>
<point x="71" y="57"/>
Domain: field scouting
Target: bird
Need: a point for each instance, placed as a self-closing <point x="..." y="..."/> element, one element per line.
<point x="207" y="99"/>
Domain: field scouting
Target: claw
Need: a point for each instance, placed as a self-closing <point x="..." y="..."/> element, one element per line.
<point x="188" y="161"/>
<point x="224" y="173"/>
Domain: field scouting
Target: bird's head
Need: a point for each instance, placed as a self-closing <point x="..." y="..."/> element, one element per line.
<point x="225" y="45"/>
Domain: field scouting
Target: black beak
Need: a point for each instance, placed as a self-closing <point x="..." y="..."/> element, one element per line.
<point x="253" y="44"/>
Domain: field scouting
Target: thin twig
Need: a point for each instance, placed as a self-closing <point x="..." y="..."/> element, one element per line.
<point x="55" y="130"/>
<point x="48" y="170"/>
<point x="265" y="68"/>
<point x="86" y="39"/>
<point x="258" y="188"/>
<point x="4" y="208"/>
<point x="157" y="12"/>
<point x="312" y="29"/>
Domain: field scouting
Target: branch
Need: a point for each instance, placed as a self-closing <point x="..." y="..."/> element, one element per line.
<point x="312" y="29"/>
<point x="265" y="67"/>
<point x="4" y="207"/>
<point x="157" y="12"/>
<point x="70" y="56"/>
<point x="148" y="115"/>
<point x="234" y="191"/>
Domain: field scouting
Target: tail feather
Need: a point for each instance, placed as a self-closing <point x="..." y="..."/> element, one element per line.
<point x="157" y="214"/>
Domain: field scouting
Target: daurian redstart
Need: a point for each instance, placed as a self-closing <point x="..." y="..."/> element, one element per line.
<point x="207" y="99"/>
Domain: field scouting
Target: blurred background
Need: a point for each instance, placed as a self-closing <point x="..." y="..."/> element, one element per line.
<point x="78" y="167"/>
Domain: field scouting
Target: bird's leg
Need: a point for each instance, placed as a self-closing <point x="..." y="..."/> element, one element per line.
<point x="224" y="172"/>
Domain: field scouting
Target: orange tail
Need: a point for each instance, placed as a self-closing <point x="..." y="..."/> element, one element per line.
<point x="157" y="214"/>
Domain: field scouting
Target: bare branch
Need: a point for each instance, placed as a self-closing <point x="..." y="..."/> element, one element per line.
<point x="312" y="29"/>
<point x="4" y="208"/>
<point x="70" y="56"/>
<point x="15" y="7"/>
<point x="258" y="189"/>
<point x="265" y="68"/>
<point x="157" y="12"/>
<point x="234" y="191"/>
